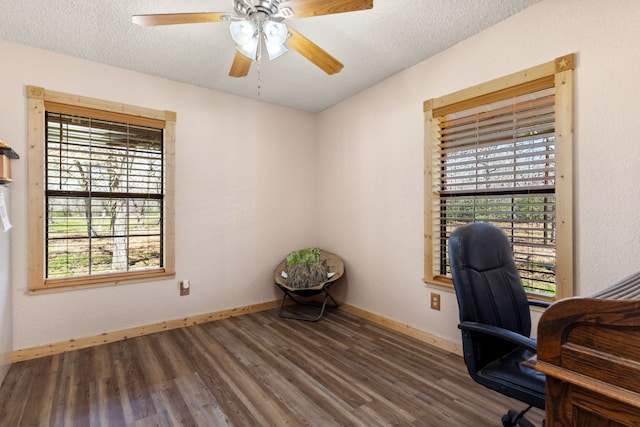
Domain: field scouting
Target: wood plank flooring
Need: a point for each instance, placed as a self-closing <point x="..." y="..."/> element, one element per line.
<point x="253" y="370"/>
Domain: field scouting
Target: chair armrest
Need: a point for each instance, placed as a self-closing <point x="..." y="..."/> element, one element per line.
<point x="539" y="303"/>
<point x="505" y="334"/>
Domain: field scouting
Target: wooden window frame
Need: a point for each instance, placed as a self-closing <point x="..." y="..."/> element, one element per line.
<point x="561" y="71"/>
<point x="37" y="98"/>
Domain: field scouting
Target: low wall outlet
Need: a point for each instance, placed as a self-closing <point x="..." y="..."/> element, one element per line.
<point x="435" y="301"/>
<point x="185" y="287"/>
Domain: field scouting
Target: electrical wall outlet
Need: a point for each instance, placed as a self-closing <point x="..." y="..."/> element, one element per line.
<point x="435" y="301"/>
<point x="185" y="287"/>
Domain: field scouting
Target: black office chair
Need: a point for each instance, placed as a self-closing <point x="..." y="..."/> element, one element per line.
<point x="494" y="316"/>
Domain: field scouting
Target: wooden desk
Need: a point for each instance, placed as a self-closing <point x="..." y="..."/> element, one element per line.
<point x="589" y="350"/>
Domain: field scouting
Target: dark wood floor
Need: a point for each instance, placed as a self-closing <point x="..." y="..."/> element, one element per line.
<point x="253" y="370"/>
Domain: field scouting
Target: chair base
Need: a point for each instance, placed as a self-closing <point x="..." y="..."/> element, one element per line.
<point x="323" y="305"/>
<point x="514" y="418"/>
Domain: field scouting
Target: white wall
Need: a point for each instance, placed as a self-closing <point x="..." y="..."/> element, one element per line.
<point x="371" y="146"/>
<point x="6" y="323"/>
<point x="245" y="184"/>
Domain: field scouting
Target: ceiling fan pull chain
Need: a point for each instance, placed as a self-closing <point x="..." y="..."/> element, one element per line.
<point x="259" y="65"/>
<point x="259" y="83"/>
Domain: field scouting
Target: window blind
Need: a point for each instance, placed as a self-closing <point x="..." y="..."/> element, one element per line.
<point x="496" y="163"/>
<point x="104" y="195"/>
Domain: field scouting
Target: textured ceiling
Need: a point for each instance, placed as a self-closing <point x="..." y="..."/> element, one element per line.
<point x="372" y="44"/>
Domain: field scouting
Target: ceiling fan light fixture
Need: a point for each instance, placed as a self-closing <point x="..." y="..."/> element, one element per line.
<point x="245" y="34"/>
<point x="249" y="49"/>
<point x="243" y="31"/>
<point x="275" y="51"/>
<point x="275" y="37"/>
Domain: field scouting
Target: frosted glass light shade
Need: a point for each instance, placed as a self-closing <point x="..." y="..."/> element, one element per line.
<point x="275" y="37"/>
<point x="245" y="34"/>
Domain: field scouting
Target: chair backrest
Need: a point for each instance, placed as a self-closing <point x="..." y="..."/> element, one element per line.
<point x="488" y="289"/>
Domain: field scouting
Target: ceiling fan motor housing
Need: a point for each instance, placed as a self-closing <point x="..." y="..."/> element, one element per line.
<point x="247" y="8"/>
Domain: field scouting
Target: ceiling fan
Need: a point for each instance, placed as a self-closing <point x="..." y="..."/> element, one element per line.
<point x="258" y="23"/>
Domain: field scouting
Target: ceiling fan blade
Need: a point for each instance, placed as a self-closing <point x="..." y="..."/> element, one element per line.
<point x="177" y="18"/>
<point x="306" y="8"/>
<point x="240" y="66"/>
<point x="313" y="52"/>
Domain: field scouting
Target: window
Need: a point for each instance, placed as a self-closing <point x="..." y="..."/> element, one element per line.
<point x="101" y="192"/>
<point x="502" y="153"/>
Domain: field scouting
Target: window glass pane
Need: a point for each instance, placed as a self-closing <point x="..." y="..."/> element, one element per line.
<point x="528" y="220"/>
<point x="104" y="196"/>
